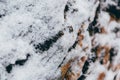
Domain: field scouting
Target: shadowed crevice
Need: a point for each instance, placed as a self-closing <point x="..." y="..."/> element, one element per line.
<point x="22" y="61"/>
<point x="82" y="77"/>
<point x="113" y="53"/>
<point x="92" y="28"/>
<point x="48" y="43"/>
<point x="113" y="11"/>
<point x="9" y="68"/>
<point x="73" y="46"/>
<point x="19" y="62"/>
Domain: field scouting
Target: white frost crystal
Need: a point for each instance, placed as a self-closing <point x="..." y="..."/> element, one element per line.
<point x="59" y="40"/>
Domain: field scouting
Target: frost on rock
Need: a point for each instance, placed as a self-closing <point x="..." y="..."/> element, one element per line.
<point x="59" y="40"/>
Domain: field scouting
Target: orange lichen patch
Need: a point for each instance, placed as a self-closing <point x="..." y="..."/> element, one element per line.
<point x="65" y="68"/>
<point x="72" y="76"/>
<point x="106" y="59"/>
<point x="99" y="49"/>
<point x="69" y="76"/>
<point x="80" y="43"/>
<point x="107" y="56"/>
<point x="103" y="30"/>
<point x="79" y="32"/>
<point x="80" y="38"/>
<point x="80" y="64"/>
<point x="83" y="59"/>
<point x="106" y="53"/>
<point x="101" y="76"/>
<point x="66" y="72"/>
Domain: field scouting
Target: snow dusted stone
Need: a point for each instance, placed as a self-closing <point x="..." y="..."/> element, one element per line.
<point x="59" y="40"/>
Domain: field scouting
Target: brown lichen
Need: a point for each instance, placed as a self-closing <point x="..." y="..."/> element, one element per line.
<point x="80" y="38"/>
<point x="68" y="73"/>
<point x="64" y="69"/>
<point x="103" y="31"/>
<point x="101" y="76"/>
<point x="107" y="55"/>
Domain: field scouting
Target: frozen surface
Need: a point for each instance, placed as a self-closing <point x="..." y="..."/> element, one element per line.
<point x="59" y="40"/>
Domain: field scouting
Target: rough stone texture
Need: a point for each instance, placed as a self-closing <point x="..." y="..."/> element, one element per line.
<point x="59" y="39"/>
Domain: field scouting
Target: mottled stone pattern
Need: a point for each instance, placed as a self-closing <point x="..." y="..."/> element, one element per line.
<point x="59" y="39"/>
